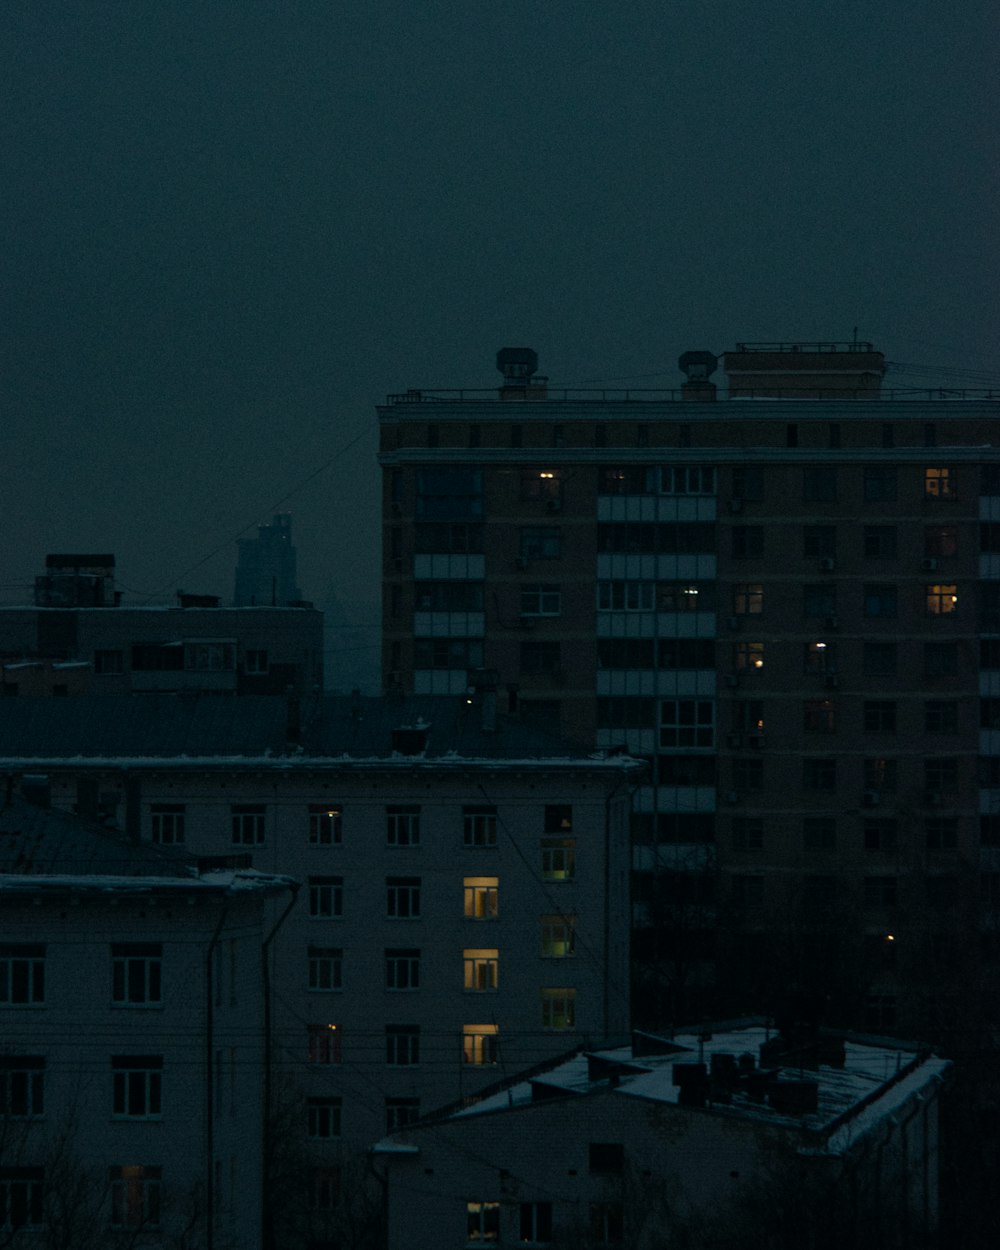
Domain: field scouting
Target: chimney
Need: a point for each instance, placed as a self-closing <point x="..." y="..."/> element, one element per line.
<point x="699" y="367"/>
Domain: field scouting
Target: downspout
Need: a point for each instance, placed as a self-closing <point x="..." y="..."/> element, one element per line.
<point x="267" y="1214"/>
<point x="606" y="944"/>
<point x="210" y="1082"/>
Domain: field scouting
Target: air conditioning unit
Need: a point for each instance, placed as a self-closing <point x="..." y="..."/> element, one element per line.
<point x="735" y="505"/>
<point x="828" y="564"/>
<point x="832" y="622"/>
<point x="732" y="680"/>
<point x="831" y="681"/>
<point x="521" y="562"/>
<point x="870" y="798"/>
<point x="734" y="740"/>
<point x="928" y="566"/>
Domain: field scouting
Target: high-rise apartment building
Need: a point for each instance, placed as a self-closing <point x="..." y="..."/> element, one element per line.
<point x="266" y="568"/>
<point x="786" y="596"/>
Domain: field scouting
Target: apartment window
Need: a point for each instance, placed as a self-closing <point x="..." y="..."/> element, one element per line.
<point x="482" y="1221"/>
<point x="22" y="1087"/>
<point x="136" y="974"/>
<point x="558" y="1009"/>
<point x="326" y="824"/>
<point x="626" y="596"/>
<point x="940" y="599"/>
<point x="819" y="833"/>
<point x="879" y="485"/>
<point x="748" y="656"/>
<point x="819" y="774"/>
<point x="940" y="541"/>
<point x="517" y="435"/>
<point x="475" y="435"/>
<point x="748" y="715"/>
<point x="819" y="716"/>
<point x="880" y="542"/>
<point x="449" y="493"/>
<point x="248" y="824"/>
<point x="989" y="653"/>
<point x="433" y="435"/>
<point x="607" y="1221"/>
<point x="880" y="774"/>
<point x="747" y="889"/>
<point x="819" y="542"/>
<point x="684" y="597"/>
<point x="540" y="542"/>
<point x="791" y="435"/>
<point x="685" y="479"/>
<point x="402" y="898"/>
<point x="879" y="716"/>
<point x="446" y="538"/>
<point x="543" y="599"/>
<point x="447" y="653"/>
<point x="135" y="1196"/>
<point x="833" y="435"/>
<point x="940" y="659"/>
<point x="210" y="657"/>
<point x="479" y="826"/>
<point x="628" y="712"/>
<point x="941" y="775"/>
<point x="402" y="968"/>
<point x="480" y="1044"/>
<point x="558" y="859"/>
<point x="482" y="970"/>
<point x="400" y="1113"/>
<point x="888" y="435"/>
<point x="324" y="1188"/>
<point x="136" y="1084"/>
<point x="448" y="596"/>
<point x="606" y="1158"/>
<point x="541" y="655"/>
<point x="941" y="716"/>
<point x="687" y="723"/>
<point x="748" y="774"/>
<point x="109" y="663"/>
<point x="939" y="484"/>
<point x="22" y="974"/>
<point x="819" y="599"/>
<point x="255" y="663"/>
<point x="819" y="484"/>
<point x="941" y="833"/>
<point x="748" y="833"/>
<point x="402" y="1045"/>
<point x="544" y="485"/>
<point x="326" y="965"/>
<point x="683" y="652"/>
<point x="323" y="1118"/>
<point x="930" y="434"/>
<point x="481" y="898"/>
<point x="880" y="892"/>
<point x="880" y="834"/>
<point x="326" y="898"/>
<point x="819" y="657"/>
<point x="989" y="479"/>
<point x="878" y="659"/>
<point x="535" y="1225"/>
<point x="402" y="826"/>
<point x="21" y="1191"/>
<point x="879" y="600"/>
<point x="748" y="542"/>
<point x="167" y="823"/>
<point x="880" y="1011"/>
<point x="600" y="434"/>
<point x="819" y="890"/>
<point x="324" y="1044"/>
<point x="748" y="598"/>
<point x="558" y="936"/>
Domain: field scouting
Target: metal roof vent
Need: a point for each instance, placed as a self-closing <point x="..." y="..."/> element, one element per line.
<point x="517" y="364"/>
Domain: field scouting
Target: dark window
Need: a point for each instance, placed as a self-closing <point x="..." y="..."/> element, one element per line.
<point x="167" y="823"/>
<point x="326" y="898"/>
<point x="819" y="485"/>
<point x="879" y="600"/>
<point x="626" y="712"/>
<point x="880" y="485"/>
<point x="156" y="657"/>
<point x="940" y="659"/>
<point x="402" y="826"/>
<point x="109" y="662"/>
<point x="748" y="774"/>
<point x="558" y="818"/>
<point x="748" y="542"/>
<point x="447" y="653"/>
<point x="941" y="775"/>
<point x="880" y="542"/>
<point x="442" y="538"/>
<point x="819" y="600"/>
<point x="880" y="774"/>
<point x="747" y="889"/>
<point x="402" y="1045"/>
<point x="606" y="1157"/>
<point x="542" y="485"/>
<point x="819" y="542"/>
<point x="941" y="833"/>
<point x="22" y="1088"/>
<point x="536" y="1222"/>
<point x="748" y="833"/>
<point x="686" y="770"/>
<point x="248" y="824"/>
<point x="880" y="716"/>
<point x="326" y="824"/>
<point x="625" y="653"/>
<point x="819" y="774"/>
<point x="22" y="974"/>
<point x="880" y="892"/>
<point x="686" y="653"/>
<point x="402" y="898"/>
<point x="540" y="655"/>
<point x="136" y="974"/>
<point x="940" y="541"/>
<point x="326" y="965"/>
<point x="748" y="483"/>
<point x="819" y="716"/>
<point x="540" y="542"/>
<point x="479" y="826"/>
<point x="880" y="834"/>
<point x="941" y="716"/>
<point x="819" y="833"/>
<point x="791" y="435"/>
<point x="401" y="1112"/>
<point x="402" y="968"/>
<point x="452" y="596"/>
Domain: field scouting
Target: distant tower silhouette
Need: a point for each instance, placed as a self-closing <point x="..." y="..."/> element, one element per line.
<point x="265" y="569"/>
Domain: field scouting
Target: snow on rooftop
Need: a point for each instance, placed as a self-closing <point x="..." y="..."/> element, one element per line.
<point x="229" y="882"/>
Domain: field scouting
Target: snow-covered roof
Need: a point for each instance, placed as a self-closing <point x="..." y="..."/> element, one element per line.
<point x="866" y="1082"/>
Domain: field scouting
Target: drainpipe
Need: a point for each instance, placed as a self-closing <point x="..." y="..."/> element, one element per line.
<point x="606" y="950"/>
<point x="210" y="1081"/>
<point x="267" y="1212"/>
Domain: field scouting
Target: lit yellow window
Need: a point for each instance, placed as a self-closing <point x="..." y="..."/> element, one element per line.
<point x="941" y="600"/>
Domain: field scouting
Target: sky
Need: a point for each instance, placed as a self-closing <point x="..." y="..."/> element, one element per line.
<point x="231" y="228"/>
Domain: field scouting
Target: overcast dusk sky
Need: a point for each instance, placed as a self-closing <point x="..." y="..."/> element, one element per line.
<point x="231" y="228"/>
